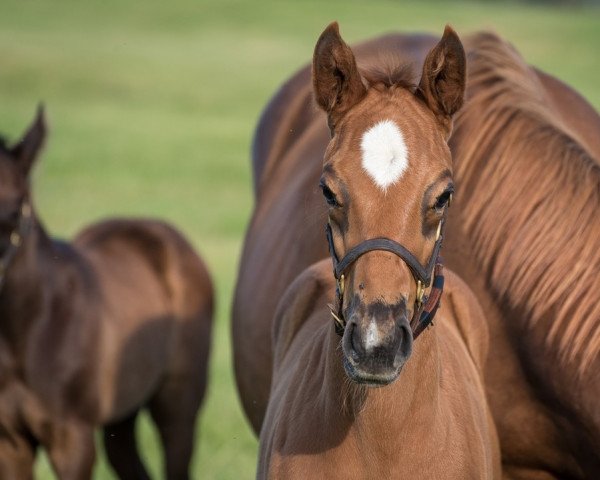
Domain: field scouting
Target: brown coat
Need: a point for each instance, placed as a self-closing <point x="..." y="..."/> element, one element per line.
<point x="432" y="422"/>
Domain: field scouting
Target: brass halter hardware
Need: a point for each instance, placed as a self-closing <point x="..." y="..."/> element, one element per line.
<point x="341" y="283"/>
<point x="425" y="276"/>
<point x="420" y="294"/>
<point x="420" y="286"/>
<point x="15" y="239"/>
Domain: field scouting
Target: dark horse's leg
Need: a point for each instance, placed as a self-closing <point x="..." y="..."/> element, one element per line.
<point x="174" y="410"/>
<point x="17" y="454"/>
<point x="71" y="449"/>
<point x="175" y="404"/>
<point x="121" y="449"/>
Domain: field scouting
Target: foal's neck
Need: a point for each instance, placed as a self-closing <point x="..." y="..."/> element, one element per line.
<point x="391" y="411"/>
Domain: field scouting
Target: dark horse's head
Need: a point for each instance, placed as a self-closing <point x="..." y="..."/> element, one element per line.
<point x="387" y="174"/>
<point x="15" y="165"/>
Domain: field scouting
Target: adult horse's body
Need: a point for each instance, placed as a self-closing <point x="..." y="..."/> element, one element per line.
<point x="542" y="383"/>
<point x="93" y="331"/>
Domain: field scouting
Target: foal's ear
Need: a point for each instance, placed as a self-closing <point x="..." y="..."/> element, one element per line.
<point x="443" y="81"/>
<point x="336" y="81"/>
<point x="26" y="150"/>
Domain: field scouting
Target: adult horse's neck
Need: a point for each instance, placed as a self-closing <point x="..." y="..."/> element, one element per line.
<point x="524" y="233"/>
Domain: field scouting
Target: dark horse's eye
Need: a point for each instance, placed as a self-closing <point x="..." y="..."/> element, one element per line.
<point x="329" y="195"/>
<point x="442" y="200"/>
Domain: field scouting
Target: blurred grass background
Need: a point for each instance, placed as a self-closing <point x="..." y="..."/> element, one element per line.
<point x="152" y="107"/>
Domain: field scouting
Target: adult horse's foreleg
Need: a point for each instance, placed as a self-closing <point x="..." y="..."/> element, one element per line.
<point x="121" y="449"/>
<point x="70" y="447"/>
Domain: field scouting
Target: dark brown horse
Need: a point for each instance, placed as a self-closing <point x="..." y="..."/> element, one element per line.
<point x="93" y="331"/>
<point x="387" y="180"/>
<point x="524" y="235"/>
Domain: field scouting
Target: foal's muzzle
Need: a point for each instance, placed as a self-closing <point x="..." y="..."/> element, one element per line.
<point x="376" y="347"/>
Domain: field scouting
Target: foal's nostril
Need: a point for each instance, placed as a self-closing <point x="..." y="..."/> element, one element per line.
<point x="404" y="345"/>
<point x="392" y="349"/>
<point x="356" y="348"/>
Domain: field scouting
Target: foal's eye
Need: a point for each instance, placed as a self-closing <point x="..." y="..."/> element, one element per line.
<point x="329" y="195"/>
<point x="442" y="200"/>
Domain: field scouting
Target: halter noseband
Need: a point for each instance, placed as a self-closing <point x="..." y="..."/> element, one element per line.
<point x="16" y="239"/>
<point x="425" y="308"/>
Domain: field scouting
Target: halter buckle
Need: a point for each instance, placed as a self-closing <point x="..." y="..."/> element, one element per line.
<point x="341" y="284"/>
<point x="15" y="239"/>
<point x="420" y="293"/>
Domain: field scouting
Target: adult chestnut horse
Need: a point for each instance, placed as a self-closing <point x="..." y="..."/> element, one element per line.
<point x="524" y="235"/>
<point x="387" y="180"/>
<point x="93" y="331"/>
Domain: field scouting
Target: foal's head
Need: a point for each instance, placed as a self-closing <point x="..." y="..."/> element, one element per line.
<point x="387" y="173"/>
<point x="15" y="164"/>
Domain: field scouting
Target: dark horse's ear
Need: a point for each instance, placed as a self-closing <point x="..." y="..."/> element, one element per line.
<point x="336" y="80"/>
<point x="26" y="150"/>
<point x="442" y="85"/>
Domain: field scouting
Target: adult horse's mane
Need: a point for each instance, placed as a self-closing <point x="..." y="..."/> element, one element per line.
<point x="533" y="190"/>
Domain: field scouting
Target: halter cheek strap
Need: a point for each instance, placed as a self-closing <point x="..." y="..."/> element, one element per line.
<point x="16" y="239"/>
<point x="425" y="308"/>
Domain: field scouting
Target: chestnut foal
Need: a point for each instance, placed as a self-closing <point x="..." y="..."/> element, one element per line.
<point x="387" y="180"/>
<point x="93" y="331"/>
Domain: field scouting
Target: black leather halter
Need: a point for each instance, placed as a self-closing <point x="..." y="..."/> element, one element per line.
<point x="425" y="309"/>
<point x="16" y="239"/>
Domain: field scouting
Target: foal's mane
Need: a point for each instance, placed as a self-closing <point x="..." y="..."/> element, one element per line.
<point x="533" y="192"/>
<point x="390" y="72"/>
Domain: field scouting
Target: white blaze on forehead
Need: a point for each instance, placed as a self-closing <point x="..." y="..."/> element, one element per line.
<point x="384" y="153"/>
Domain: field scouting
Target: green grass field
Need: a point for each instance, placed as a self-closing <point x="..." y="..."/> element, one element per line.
<point x="152" y="107"/>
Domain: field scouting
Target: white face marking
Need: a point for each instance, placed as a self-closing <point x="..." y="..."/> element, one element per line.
<point x="372" y="337"/>
<point x="384" y="153"/>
